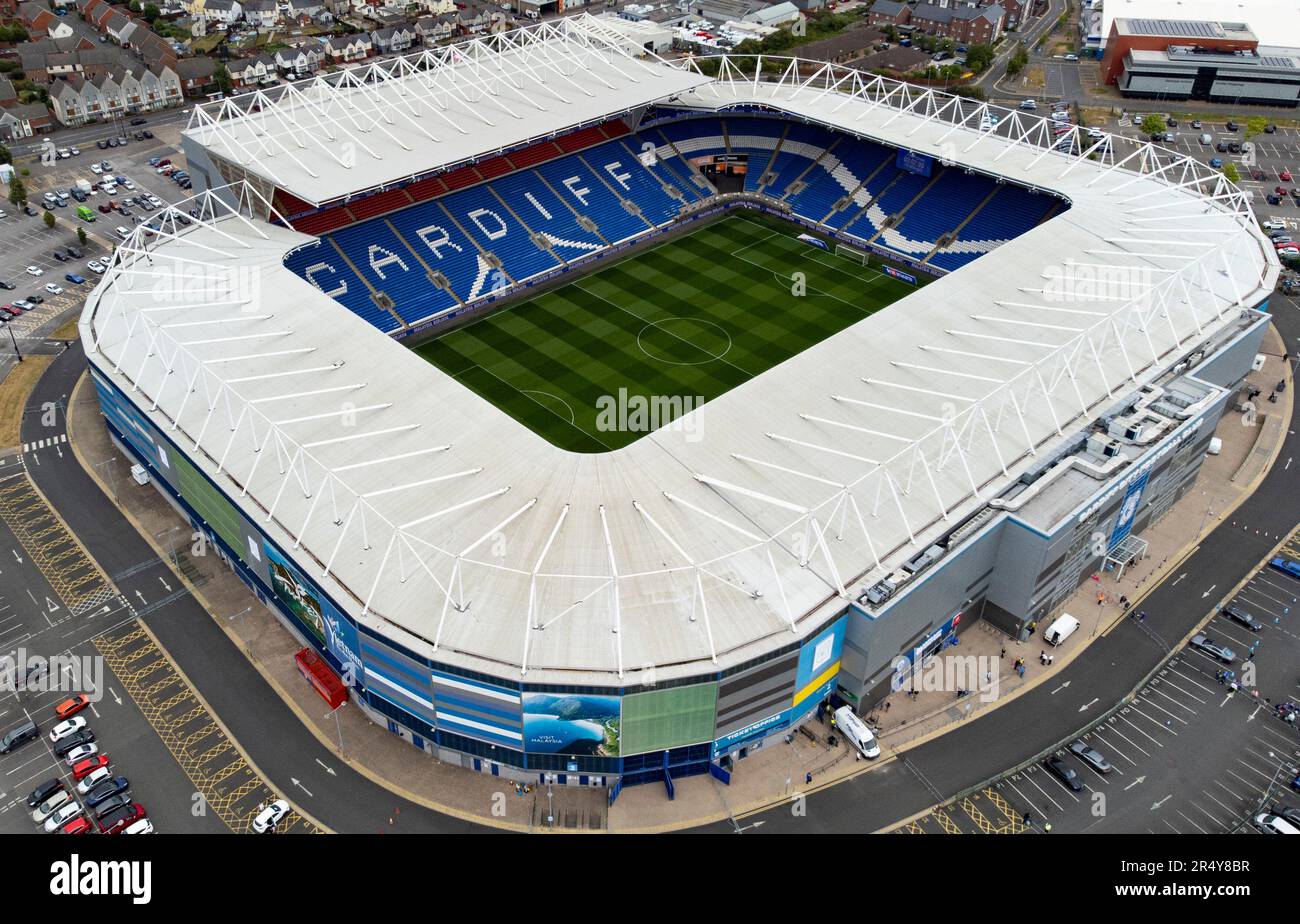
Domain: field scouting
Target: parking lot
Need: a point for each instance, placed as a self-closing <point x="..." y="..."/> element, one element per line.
<point x="54" y="601"/>
<point x="1187" y="754"/>
<point x="1275" y="156"/>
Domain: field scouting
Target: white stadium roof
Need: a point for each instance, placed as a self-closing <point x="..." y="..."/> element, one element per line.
<point x="378" y="123"/>
<point x="451" y="527"/>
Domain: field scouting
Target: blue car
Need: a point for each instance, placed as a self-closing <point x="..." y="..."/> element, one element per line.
<point x="1286" y="566"/>
<point x="74" y="278"/>
<point x="1216" y="162"/>
<point x="106" y="790"/>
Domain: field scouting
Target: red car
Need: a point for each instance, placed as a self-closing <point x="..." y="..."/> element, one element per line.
<point x="1280" y="190"/>
<point x="119" y="820"/>
<point x="82" y="768"/>
<point x="1285" y="176"/>
<point x="70" y="707"/>
<point x="10" y="309"/>
<point x="79" y="825"/>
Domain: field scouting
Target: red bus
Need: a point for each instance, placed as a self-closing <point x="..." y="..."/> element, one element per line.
<point x="318" y="674"/>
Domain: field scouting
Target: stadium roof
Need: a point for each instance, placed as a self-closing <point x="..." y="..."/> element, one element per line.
<point x="438" y="519"/>
<point x="379" y="123"/>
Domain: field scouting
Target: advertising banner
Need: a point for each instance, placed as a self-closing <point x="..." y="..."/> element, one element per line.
<point x="571" y="723"/>
<point x="315" y="613"/>
<point x="913" y="162"/>
<point x="1128" y="510"/>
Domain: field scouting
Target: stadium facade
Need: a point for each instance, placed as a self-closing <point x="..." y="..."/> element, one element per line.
<point x="974" y="451"/>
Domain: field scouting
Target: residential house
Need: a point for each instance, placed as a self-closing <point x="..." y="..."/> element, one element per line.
<point x="965" y="24"/>
<point x="24" y="121"/>
<point x="433" y="30"/>
<point x="222" y="11"/>
<point x="345" y="49"/>
<point x="261" y="14"/>
<point x="249" y="73"/>
<point x="196" y="75"/>
<point x="302" y="59"/>
<point x="393" y="39"/>
<point x="309" y="8"/>
<point x="8" y="96"/>
<point x="889" y="13"/>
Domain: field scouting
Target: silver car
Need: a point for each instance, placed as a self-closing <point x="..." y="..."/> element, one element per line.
<point x="1214" y="649"/>
<point x="1090" y="756"/>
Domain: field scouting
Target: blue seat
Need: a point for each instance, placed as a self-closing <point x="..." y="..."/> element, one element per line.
<point x="576" y="184"/>
<point x="320" y="264"/>
<point x="543" y="212"/>
<point x="496" y="231"/>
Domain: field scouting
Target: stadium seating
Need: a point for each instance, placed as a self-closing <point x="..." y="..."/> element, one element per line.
<point x="408" y="254"/>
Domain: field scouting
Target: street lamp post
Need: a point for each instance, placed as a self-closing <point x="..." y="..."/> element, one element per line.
<point x="14" y="341"/>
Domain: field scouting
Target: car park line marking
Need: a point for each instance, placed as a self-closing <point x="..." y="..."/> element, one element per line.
<point x="1267" y="777"/>
<point x="1167" y="682"/>
<point x="1288" y="744"/>
<point x="1171" y="827"/>
<point x="1176" y="718"/>
<point x="1249" y="786"/>
<point x="1192" y="823"/>
<point x="1223" y="825"/>
<point x="1063" y="787"/>
<point x="1141" y="732"/>
<point x="1155" y="688"/>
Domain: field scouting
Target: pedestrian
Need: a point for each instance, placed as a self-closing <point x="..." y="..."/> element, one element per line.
<point x="807" y="779"/>
<point x="1003" y="655"/>
<point x="1142" y="616"/>
<point x="1032" y="627"/>
<point x="1021" y="671"/>
<point x="888" y="703"/>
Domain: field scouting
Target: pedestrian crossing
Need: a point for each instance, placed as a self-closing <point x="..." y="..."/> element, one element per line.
<point x="45" y="443"/>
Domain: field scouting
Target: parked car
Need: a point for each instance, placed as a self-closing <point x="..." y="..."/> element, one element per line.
<point x="79" y="825"/>
<point x="1064" y="772"/>
<point x="51" y="805"/>
<point x="67" y="728"/>
<point x="1090" y="756"/>
<point x="1213" y="649"/>
<point x="88" y="765"/>
<point x="106" y="790"/>
<point x="62" y="816"/>
<point x="70" y="707"/>
<point x="93" y="779"/>
<point x="95" y="267"/>
<point x="122" y="232"/>
<point x="1216" y="162"/>
<point x="35" y="271"/>
<point x="43" y="792"/>
<point x="118" y="821"/>
<point x="1286" y="566"/>
<point x="1284" y="176"/>
<point x="80" y="753"/>
<point x="77" y="739"/>
<point x="139" y="121"/>
<point x="75" y="278"/>
<point x="53" y="288"/>
<point x="7" y="285"/>
<point x="139" y="826"/>
<point x="270" y="816"/>
<point x="1196" y="124"/>
<point x="111" y="804"/>
<point x="1232" y="126"/>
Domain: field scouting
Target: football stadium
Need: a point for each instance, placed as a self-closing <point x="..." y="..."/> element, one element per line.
<point x="595" y="416"/>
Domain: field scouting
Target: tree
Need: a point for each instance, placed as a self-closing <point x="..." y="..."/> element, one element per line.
<point x="1230" y="171"/>
<point x="1018" y="60"/>
<point x="81" y="236"/>
<point x="1256" y="125"/>
<point x="48" y="219"/>
<point x="1152" y="124"/>
<point x="18" y="192"/>
<point x="151" y="12"/>
<point x="979" y="57"/>
<point x="221" y="77"/>
<point x="5" y="156"/>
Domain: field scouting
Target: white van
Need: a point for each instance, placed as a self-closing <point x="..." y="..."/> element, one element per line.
<point x="1274" y="824"/>
<point x="1060" y="629"/>
<point x="856" y="732"/>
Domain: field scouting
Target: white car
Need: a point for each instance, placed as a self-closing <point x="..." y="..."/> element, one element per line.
<point x="110" y="188"/>
<point x="35" y="271"/>
<point x="1275" y="224"/>
<point x="143" y="826"/>
<point x="51" y="805"/>
<point x="93" y="779"/>
<point x="96" y="168"/>
<point x="81" y="752"/>
<point x="70" y="726"/>
<point x="60" y="818"/>
<point x="270" y="816"/>
<point x="122" y="232"/>
<point x="76" y="152"/>
<point x="95" y="267"/>
<point x="129" y="185"/>
<point x="155" y="202"/>
<point x="53" y="288"/>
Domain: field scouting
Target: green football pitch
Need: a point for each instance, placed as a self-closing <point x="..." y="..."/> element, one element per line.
<point x="661" y="331"/>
